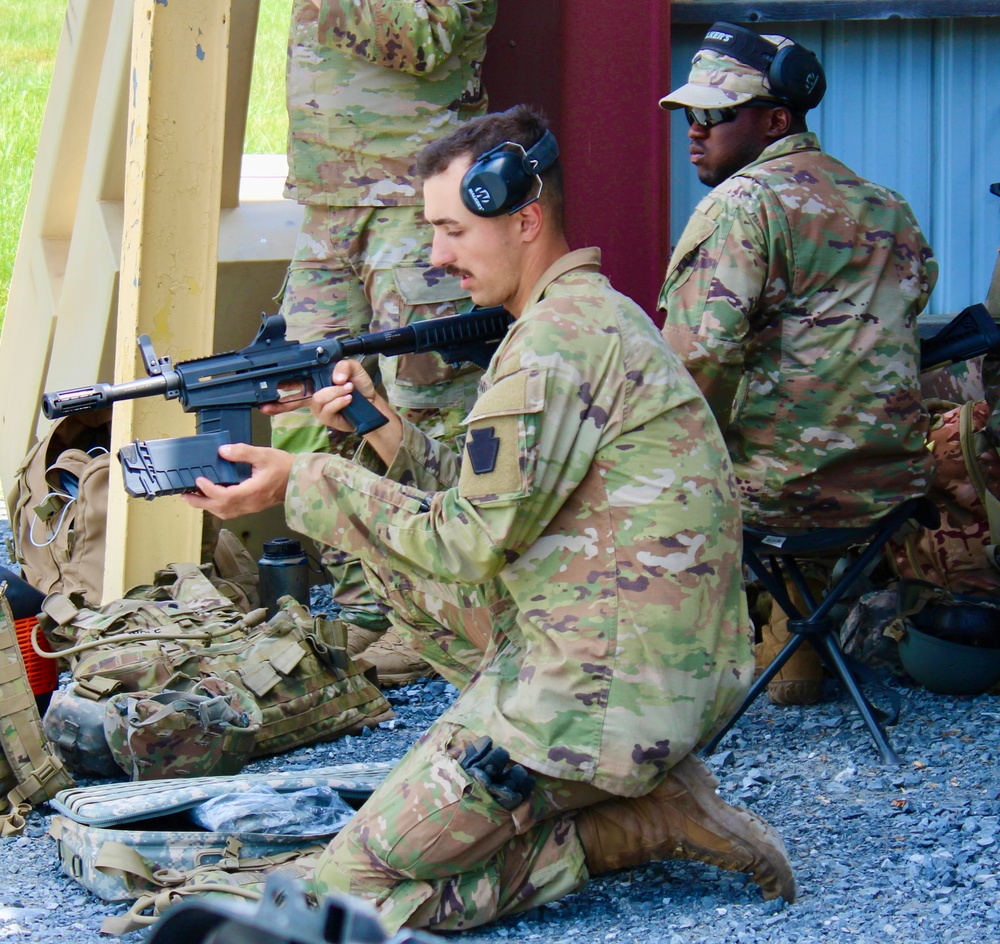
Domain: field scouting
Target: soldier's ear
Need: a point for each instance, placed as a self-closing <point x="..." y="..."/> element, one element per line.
<point x="780" y="123"/>
<point x="530" y="221"/>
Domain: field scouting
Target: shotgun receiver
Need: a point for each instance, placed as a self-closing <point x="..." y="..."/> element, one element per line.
<point x="222" y="389"/>
<point x="970" y="333"/>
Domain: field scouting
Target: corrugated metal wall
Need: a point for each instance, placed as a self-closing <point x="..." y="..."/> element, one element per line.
<point x="912" y="104"/>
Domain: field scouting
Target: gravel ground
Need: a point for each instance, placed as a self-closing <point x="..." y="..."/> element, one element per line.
<point x="907" y="853"/>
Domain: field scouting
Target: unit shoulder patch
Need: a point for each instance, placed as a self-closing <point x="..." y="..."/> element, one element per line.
<point x="495" y="461"/>
<point x="482" y="446"/>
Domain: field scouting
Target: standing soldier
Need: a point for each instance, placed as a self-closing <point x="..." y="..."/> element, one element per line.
<point x="368" y="84"/>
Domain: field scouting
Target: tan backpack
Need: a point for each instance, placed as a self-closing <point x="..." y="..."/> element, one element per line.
<point x="58" y="513"/>
<point x="234" y="572"/>
<point x="961" y="553"/>
<point x="59" y="505"/>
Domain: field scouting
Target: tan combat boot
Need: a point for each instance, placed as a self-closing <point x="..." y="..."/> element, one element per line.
<point x="684" y="818"/>
<point x="359" y="638"/>
<point x="395" y="662"/>
<point x="800" y="681"/>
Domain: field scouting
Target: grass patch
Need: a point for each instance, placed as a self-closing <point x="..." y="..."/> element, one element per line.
<point x="267" y="120"/>
<point x="30" y="34"/>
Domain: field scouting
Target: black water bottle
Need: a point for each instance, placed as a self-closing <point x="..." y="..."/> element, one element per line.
<point x="284" y="571"/>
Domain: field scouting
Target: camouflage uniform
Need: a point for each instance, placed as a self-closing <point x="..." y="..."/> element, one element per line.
<point x="792" y="298"/>
<point x="577" y="574"/>
<point x="369" y="84"/>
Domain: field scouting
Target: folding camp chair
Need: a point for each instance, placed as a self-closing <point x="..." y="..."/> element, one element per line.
<point x="772" y="558"/>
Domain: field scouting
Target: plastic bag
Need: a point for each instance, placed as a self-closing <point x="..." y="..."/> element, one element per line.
<point x="311" y="811"/>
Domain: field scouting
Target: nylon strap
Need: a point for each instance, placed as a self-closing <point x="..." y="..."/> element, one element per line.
<point x="185" y="884"/>
<point x="39" y="773"/>
<point x="135" y="920"/>
<point x="968" y="439"/>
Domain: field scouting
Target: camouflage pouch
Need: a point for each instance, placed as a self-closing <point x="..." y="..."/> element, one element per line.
<point x="871" y="627"/>
<point x="307" y="691"/>
<point x="209" y="730"/>
<point x="74" y="724"/>
<point x="880" y="619"/>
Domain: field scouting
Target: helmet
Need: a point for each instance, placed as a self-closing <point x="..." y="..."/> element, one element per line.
<point x="208" y="731"/>
<point x="954" y="648"/>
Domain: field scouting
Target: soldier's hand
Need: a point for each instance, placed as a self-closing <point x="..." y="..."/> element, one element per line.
<point x="269" y="471"/>
<point x="349" y="380"/>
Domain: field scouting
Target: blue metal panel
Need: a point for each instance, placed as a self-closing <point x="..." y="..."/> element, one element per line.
<point x="912" y="104"/>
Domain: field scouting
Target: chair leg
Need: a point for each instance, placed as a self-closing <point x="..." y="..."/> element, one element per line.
<point x="835" y="658"/>
<point x="759" y="685"/>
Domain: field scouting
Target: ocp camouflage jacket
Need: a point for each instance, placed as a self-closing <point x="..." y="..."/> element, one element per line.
<point x="792" y="297"/>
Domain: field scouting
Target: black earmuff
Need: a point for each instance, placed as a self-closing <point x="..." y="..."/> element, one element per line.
<point x="793" y="72"/>
<point x="796" y="75"/>
<point x="502" y="179"/>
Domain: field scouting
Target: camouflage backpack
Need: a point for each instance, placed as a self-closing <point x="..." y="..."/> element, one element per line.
<point x="960" y="554"/>
<point x="173" y="634"/>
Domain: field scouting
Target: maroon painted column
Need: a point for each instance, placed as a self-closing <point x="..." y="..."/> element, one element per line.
<point x="598" y="70"/>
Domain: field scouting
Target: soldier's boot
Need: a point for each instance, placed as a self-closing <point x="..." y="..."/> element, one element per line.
<point x="359" y="638"/>
<point x="684" y="818"/>
<point x="800" y="681"/>
<point x="395" y="662"/>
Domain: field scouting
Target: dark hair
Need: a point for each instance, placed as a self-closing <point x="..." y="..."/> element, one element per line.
<point x="521" y="124"/>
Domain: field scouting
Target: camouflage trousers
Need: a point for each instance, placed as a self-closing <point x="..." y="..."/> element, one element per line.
<point x="361" y="269"/>
<point x="431" y="848"/>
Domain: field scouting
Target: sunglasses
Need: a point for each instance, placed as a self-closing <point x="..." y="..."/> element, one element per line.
<point x="710" y="117"/>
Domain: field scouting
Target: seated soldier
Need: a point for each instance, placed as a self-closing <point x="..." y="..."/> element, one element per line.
<point x="792" y="298"/>
<point x="576" y="573"/>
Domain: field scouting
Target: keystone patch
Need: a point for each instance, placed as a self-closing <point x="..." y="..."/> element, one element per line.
<point x="483" y="447"/>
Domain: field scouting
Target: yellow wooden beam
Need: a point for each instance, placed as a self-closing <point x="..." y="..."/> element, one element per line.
<point x="58" y="184"/>
<point x="242" y="38"/>
<point x="61" y="328"/>
<point x="173" y="186"/>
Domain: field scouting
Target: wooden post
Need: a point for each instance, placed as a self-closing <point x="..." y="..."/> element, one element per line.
<point x="173" y="189"/>
<point x="46" y="262"/>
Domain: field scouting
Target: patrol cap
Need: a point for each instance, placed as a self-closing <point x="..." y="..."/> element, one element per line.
<point x="719" y="80"/>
